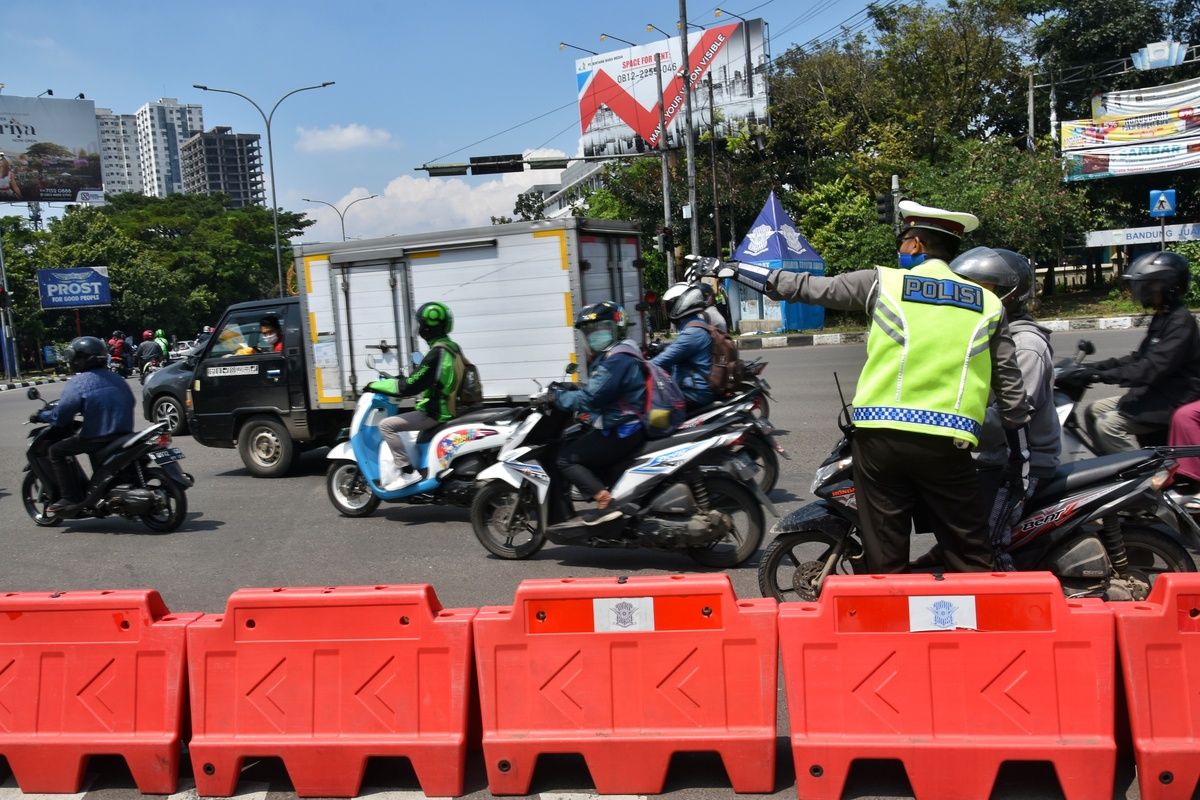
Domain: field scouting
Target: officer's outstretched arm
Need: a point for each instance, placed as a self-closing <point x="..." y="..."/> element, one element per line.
<point x="850" y="291"/>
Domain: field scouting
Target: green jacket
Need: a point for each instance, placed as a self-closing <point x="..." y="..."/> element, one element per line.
<point x="437" y="379"/>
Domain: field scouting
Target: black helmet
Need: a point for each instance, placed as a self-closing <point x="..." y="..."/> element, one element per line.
<point x="86" y="352"/>
<point x="1163" y="270"/>
<point x="434" y="321"/>
<point x="602" y="325"/>
<point x="684" y="299"/>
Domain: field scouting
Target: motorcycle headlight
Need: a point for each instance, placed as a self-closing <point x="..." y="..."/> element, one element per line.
<point x="827" y="471"/>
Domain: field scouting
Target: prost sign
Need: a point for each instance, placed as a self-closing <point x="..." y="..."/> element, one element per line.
<point x="78" y="287"/>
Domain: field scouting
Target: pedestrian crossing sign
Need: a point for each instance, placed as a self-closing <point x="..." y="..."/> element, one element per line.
<point x="1162" y="202"/>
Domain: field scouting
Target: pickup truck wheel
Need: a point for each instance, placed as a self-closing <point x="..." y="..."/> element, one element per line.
<point x="266" y="447"/>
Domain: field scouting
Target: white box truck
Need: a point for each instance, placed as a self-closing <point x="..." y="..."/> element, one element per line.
<point x="513" y="290"/>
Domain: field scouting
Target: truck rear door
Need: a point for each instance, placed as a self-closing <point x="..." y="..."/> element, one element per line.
<point x="608" y="273"/>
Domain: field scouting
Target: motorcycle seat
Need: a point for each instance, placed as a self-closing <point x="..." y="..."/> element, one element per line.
<point x="482" y="415"/>
<point x="1079" y="474"/>
<point x="655" y="445"/>
<point x="117" y="444"/>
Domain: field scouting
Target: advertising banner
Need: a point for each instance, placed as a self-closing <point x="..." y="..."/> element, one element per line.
<point x="1139" y="159"/>
<point x="1134" y="102"/>
<point x="50" y="149"/>
<point x="77" y="287"/>
<point x="618" y="90"/>
<point x="1086" y="133"/>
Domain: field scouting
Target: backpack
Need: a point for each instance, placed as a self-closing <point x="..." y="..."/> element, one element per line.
<point x="666" y="408"/>
<point x="470" y="387"/>
<point x="727" y="369"/>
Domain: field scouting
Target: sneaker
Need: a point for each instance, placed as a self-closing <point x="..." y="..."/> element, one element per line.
<point x="63" y="507"/>
<point x="598" y="516"/>
<point x="406" y="477"/>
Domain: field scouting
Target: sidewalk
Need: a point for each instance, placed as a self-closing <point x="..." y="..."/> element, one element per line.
<point x="817" y="339"/>
<point x="4" y="387"/>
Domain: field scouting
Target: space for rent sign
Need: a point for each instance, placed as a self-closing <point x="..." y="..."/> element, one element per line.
<point x="77" y="287"/>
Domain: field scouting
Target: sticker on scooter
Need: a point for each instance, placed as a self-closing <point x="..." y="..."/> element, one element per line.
<point x="667" y="460"/>
<point x="452" y="442"/>
<point x="1050" y="518"/>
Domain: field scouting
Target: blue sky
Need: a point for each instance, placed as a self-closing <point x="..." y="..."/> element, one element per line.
<point x="414" y="82"/>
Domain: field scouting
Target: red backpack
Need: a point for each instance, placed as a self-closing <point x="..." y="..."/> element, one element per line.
<point x="727" y="369"/>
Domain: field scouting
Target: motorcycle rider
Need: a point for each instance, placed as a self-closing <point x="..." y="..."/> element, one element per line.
<point x="689" y="357"/>
<point x="1163" y="373"/>
<point x="937" y="344"/>
<point x="613" y="398"/>
<point x="163" y="344"/>
<point x="106" y="403"/>
<point x="116" y="346"/>
<point x="436" y="378"/>
<point x="1009" y="275"/>
<point x="148" y="350"/>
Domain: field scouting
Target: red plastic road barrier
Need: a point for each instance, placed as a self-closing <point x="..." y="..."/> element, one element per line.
<point x="1160" y="655"/>
<point x="952" y="676"/>
<point x="90" y="673"/>
<point x="627" y="672"/>
<point x="325" y="678"/>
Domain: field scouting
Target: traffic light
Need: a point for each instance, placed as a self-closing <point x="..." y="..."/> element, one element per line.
<point x="668" y="239"/>
<point x="885" y="208"/>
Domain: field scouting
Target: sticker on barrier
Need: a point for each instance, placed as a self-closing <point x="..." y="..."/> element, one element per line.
<point x="90" y="673"/>
<point x="325" y="678"/>
<point x="627" y="672"/>
<point x="1159" y="643"/>
<point x="953" y="676"/>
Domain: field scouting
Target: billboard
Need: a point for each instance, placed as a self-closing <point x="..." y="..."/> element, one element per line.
<point x="76" y="287"/>
<point x="618" y="91"/>
<point x="50" y="149"/>
<point x="1133" y="102"/>
<point x="1137" y="159"/>
<point x="1085" y="133"/>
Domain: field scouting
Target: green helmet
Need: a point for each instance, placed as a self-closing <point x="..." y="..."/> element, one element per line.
<point x="434" y="321"/>
<point x="159" y="332"/>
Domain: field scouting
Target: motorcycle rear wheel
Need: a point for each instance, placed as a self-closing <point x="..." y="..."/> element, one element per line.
<point x="168" y="519"/>
<point x="348" y="490"/>
<point x="36" y="498"/>
<point x="792" y="563"/>
<point x="730" y="498"/>
<point x="490" y="510"/>
<point x="1151" y="554"/>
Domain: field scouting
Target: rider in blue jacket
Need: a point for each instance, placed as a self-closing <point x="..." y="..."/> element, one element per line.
<point x="689" y="357"/>
<point x="614" y="400"/>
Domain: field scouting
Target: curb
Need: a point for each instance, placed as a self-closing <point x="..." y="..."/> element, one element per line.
<point x="4" y="387"/>
<point x="818" y="339"/>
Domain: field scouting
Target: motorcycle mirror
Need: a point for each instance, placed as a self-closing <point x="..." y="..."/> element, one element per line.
<point x="572" y="368"/>
<point x="417" y="358"/>
<point x="1086" y="347"/>
<point x="33" y="394"/>
<point x="370" y="360"/>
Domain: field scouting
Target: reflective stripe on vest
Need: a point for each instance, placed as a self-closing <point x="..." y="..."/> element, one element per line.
<point x="929" y="363"/>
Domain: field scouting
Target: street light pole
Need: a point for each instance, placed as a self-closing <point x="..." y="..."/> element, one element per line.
<point x="746" y="43"/>
<point x="267" y="118"/>
<point x="687" y="119"/>
<point x="341" y="214"/>
<point x="669" y="252"/>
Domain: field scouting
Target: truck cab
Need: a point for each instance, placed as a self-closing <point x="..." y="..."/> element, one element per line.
<point x="252" y="396"/>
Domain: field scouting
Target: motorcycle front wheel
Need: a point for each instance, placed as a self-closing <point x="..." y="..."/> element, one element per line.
<point x="507" y="521"/>
<point x="36" y="498"/>
<point x="739" y="544"/>
<point x="791" y="567"/>
<point x="348" y="490"/>
<point x="171" y="514"/>
<point x="762" y="451"/>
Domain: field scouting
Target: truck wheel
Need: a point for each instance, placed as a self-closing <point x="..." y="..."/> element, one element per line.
<point x="266" y="447"/>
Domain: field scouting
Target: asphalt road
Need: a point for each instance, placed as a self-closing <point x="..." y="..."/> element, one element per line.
<point x="246" y="532"/>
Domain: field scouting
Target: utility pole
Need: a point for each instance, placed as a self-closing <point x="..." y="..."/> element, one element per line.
<point x="1030" y="139"/>
<point x="687" y="117"/>
<point x="669" y="252"/>
<point x="7" y="331"/>
<point x="896" y="203"/>
<point x="712" y="154"/>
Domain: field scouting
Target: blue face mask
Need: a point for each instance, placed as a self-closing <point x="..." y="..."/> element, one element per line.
<point x="908" y="260"/>
<point x="599" y="341"/>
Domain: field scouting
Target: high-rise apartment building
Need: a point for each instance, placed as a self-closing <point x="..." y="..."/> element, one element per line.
<point x="226" y="162"/>
<point x="162" y="128"/>
<point x="119" y="163"/>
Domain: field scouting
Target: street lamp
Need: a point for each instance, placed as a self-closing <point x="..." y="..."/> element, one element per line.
<point x="270" y="155"/>
<point x="49" y="92"/>
<point x="746" y="44"/>
<point x="563" y="45"/>
<point x="341" y="214"/>
<point x="651" y="28"/>
<point x="604" y="36"/>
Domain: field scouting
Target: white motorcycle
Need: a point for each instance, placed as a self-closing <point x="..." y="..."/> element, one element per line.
<point x="448" y="459"/>
<point x="695" y="492"/>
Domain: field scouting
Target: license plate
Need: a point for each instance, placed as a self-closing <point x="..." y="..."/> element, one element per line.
<point x="167" y="456"/>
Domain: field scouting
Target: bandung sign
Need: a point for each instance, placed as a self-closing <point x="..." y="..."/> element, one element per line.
<point x="1111" y="162"/>
<point x="49" y="149"/>
<point x="1154" y="235"/>
<point x="1084" y="133"/>
<point x="81" y="287"/>
<point x="618" y="91"/>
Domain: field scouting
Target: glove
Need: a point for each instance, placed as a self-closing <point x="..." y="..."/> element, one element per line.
<point x="35" y="417"/>
<point x="1018" y="461"/>
<point x="1082" y="376"/>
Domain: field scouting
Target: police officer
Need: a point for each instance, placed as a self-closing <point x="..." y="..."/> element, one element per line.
<point x="106" y="403"/>
<point x="937" y="344"/>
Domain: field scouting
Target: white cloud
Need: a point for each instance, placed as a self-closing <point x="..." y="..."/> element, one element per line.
<point x="337" y="138"/>
<point x="417" y="203"/>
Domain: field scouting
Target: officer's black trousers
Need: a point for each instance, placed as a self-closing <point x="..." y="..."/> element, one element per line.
<point x="896" y="470"/>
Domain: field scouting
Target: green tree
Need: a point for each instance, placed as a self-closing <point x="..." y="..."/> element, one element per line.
<point x="839" y="221"/>
<point x="530" y="205"/>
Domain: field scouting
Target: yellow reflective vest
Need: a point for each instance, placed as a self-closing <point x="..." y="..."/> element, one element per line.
<point x="929" y="362"/>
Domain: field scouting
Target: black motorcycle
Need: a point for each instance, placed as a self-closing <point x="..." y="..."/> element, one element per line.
<point x="136" y="476"/>
<point x="1104" y="526"/>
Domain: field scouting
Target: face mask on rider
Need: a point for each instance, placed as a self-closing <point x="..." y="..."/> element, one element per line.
<point x="599" y="341"/>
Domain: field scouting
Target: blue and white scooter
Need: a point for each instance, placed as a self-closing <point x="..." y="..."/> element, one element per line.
<point x="448" y="458"/>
